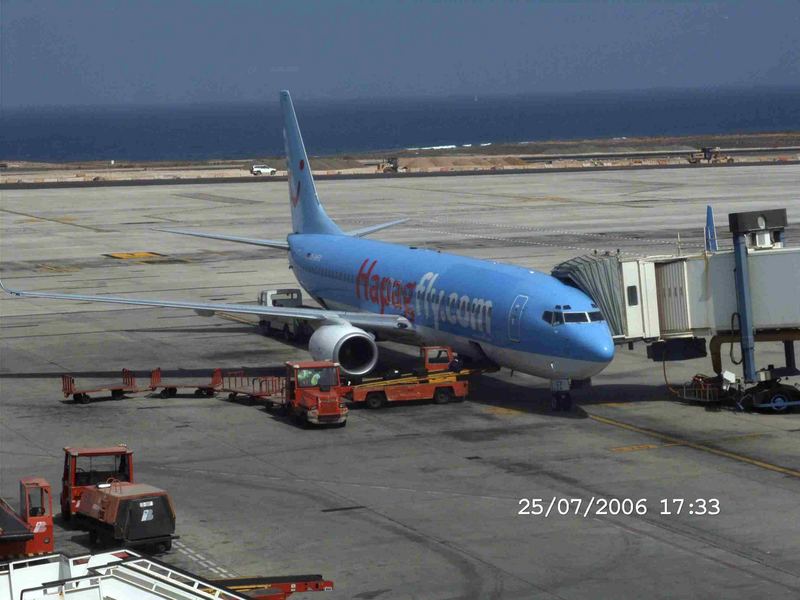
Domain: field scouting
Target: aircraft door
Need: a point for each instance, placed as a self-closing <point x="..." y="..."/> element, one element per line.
<point x="515" y="318"/>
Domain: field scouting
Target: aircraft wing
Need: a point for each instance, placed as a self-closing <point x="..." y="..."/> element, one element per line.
<point x="283" y="245"/>
<point x="372" y="321"/>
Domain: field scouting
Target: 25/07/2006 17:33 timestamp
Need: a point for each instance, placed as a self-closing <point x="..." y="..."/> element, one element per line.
<point x="590" y="507"/>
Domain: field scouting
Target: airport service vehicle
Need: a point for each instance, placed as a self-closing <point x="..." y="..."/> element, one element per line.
<point x="370" y="290"/>
<point x="117" y="390"/>
<point x="128" y="575"/>
<point x="440" y="379"/>
<point x="309" y="393"/>
<point x="262" y="170"/>
<point x="86" y="467"/>
<point x="28" y="531"/>
<point x="127" y="514"/>
<point x="290" y="328"/>
<point x="169" y="389"/>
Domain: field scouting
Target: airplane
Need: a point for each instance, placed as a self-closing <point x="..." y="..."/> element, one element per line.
<point x="370" y="290"/>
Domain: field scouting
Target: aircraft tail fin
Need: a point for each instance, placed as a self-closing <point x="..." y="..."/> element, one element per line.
<point x="308" y="215"/>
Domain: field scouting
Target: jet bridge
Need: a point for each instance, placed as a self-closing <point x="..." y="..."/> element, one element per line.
<point x="673" y="303"/>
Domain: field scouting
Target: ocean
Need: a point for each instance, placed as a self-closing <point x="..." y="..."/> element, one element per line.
<point x="202" y="132"/>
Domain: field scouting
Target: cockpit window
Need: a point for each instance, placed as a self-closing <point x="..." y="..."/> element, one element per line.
<point x="547" y="316"/>
<point x="596" y="316"/>
<point x="558" y="317"/>
<point x="576" y="317"/>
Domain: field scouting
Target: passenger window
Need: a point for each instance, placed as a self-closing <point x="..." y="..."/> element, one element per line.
<point x="633" y="296"/>
<point x="547" y="316"/>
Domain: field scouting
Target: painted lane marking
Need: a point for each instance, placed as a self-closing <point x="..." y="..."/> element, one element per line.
<point x="698" y="446"/>
<point x="725" y="438"/>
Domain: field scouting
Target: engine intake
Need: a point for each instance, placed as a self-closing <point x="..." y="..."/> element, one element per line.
<point x="354" y="349"/>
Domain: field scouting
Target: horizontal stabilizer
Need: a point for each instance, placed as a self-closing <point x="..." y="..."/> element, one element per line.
<point x="283" y="245"/>
<point x="373" y="228"/>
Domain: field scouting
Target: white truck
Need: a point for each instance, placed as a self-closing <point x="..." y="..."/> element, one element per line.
<point x="291" y="329"/>
<point x="263" y="170"/>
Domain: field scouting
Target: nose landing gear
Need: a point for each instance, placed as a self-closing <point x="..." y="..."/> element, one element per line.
<point x="561" y="398"/>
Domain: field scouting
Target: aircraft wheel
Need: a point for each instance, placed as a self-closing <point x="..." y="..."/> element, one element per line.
<point x="287" y="333"/>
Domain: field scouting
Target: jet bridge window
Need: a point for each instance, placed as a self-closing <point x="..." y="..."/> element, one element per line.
<point x="633" y="295"/>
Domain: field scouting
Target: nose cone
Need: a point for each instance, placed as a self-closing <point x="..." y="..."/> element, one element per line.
<point x="595" y="348"/>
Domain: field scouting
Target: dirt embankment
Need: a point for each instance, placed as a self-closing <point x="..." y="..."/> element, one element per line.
<point x="577" y="154"/>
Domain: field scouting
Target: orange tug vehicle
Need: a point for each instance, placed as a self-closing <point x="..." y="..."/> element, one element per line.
<point x="30" y="531"/>
<point x="100" y="495"/>
<point x="309" y="393"/>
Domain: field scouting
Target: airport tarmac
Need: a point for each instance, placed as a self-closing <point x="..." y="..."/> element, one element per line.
<point x="415" y="501"/>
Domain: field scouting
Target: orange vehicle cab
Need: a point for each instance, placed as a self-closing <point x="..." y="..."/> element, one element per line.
<point x="86" y="467"/>
<point x="30" y="530"/>
<point x="312" y="393"/>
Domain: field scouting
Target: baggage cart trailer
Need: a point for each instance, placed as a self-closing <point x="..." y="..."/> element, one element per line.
<point x="169" y="389"/>
<point x="117" y="390"/>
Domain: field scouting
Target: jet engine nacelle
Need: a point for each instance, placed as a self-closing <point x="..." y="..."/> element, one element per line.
<point x="354" y="349"/>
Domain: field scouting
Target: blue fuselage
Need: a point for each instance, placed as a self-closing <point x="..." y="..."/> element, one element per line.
<point x="476" y="306"/>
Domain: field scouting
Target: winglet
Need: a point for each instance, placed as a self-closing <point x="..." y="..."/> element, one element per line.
<point x="9" y="290"/>
<point x="373" y="228"/>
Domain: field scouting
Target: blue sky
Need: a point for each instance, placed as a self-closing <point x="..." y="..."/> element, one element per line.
<point x="144" y="52"/>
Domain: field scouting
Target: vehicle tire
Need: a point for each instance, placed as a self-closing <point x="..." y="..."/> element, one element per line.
<point x="163" y="547"/>
<point x="198" y="392"/>
<point x="232" y="396"/>
<point x="265" y="328"/>
<point x="116" y="394"/>
<point x="342" y="424"/>
<point x="173" y="392"/>
<point x="459" y="398"/>
<point x="779" y="398"/>
<point x="66" y="516"/>
<point x="375" y="400"/>
<point x="94" y="539"/>
<point x="442" y="395"/>
<point x="164" y="393"/>
<point x="84" y="398"/>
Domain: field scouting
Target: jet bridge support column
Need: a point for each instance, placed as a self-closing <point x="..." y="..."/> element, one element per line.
<point x="761" y="229"/>
<point x="744" y="305"/>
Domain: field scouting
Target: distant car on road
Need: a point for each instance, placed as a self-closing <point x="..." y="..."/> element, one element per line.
<point x="262" y="170"/>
